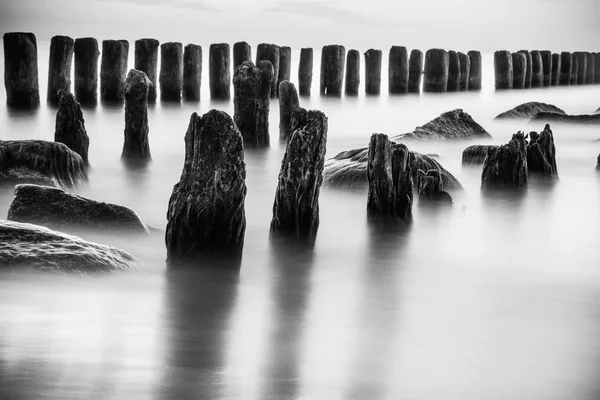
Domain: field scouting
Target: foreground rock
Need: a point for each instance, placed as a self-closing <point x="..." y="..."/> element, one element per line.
<point x="40" y="162"/>
<point x="70" y="125"/>
<point x="541" y="153"/>
<point x="451" y="125"/>
<point x="349" y="168"/>
<point x="591" y="119"/>
<point x="296" y="206"/>
<point x="506" y="166"/>
<point x="54" y="208"/>
<point x="430" y="187"/>
<point x="529" y="110"/>
<point x="206" y="214"/>
<point x="476" y="154"/>
<point x="27" y="245"/>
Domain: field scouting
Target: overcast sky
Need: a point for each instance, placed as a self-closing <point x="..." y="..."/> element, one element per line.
<point x="486" y="25"/>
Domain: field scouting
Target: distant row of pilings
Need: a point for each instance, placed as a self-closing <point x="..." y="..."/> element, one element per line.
<point x="526" y="69"/>
<point x="181" y="69"/>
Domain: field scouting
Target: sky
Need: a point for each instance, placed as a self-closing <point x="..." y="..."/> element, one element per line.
<point x="486" y="25"/>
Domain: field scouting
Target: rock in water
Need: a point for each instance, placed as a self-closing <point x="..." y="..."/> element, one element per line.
<point x="270" y="52"/>
<point x="503" y="69"/>
<point x="352" y="72"/>
<point x="415" y="71"/>
<point x="146" y="60"/>
<point x="135" y="145"/>
<point x="566" y="66"/>
<point x="305" y="71"/>
<point x="397" y="70"/>
<point x="332" y="70"/>
<point x="453" y="71"/>
<point x="436" y="71"/>
<point x="192" y="72"/>
<point x="86" y="70"/>
<point x="506" y="166"/>
<point x="592" y="119"/>
<point x="218" y="71"/>
<point x="21" y="70"/>
<point x="388" y="175"/>
<point x="529" y="110"/>
<point x="241" y="52"/>
<point x="59" y="70"/>
<point x="465" y="71"/>
<point x="38" y="161"/>
<point x="430" y="187"/>
<point x="519" y="62"/>
<point x="476" y="154"/>
<point x="288" y="104"/>
<point x="451" y="125"/>
<point x="171" y="71"/>
<point x="206" y="210"/>
<point x="296" y="206"/>
<point x="113" y="70"/>
<point x="32" y="246"/>
<point x="475" y="74"/>
<point x="70" y="126"/>
<point x="541" y="153"/>
<point x="251" y="101"/>
<point x="56" y="209"/>
<point x="373" y="71"/>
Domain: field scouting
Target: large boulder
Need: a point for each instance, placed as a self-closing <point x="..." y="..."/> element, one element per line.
<point x="70" y="125"/>
<point x="587" y="119"/>
<point x="506" y="166"/>
<point x="32" y="246"/>
<point x="56" y="209"/>
<point x="296" y="206"/>
<point x="40" y="162"/>
<point x="541" y="153"/>
<point x="476" y="154"/>
<point x="206" y="214"/>
<point x="529" y="110"/>
<point x="451" y="125"/>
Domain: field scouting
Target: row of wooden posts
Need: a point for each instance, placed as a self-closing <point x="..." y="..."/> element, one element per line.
<point x="526" y="69"/>
<point x="181" y="69"/>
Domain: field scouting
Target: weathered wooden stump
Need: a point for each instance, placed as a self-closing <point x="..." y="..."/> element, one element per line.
<point x="397" y="70"/>
<point x="519" y="63"/>
<point x="21" y="70"/>
<point x="475" y="74"/>
<point x="537" y="71"/>
<point x="70" y="125"/>
<point x="242" y="51"/>
<point x="503" y="69"/>
<point x="218" y="71"/>
<point x="285" y="65"/>
<point x="305" y="71"/>
<point x="465" y="71"/>
<point x="403" y="182"/>
<point x="352" y="72"/>
<point x="596" y="67"/>
<point x="135" y="145"/>
<point x="59" y="69"/>
<point x="146" y="60"/>
<point x="541" y="153"/>
<point x="574" y="69"/>
<point x="566" y="65"/>
<point x="332" y="70"/>
<point x="192" y="72"/>
<point x="206" y="214"/>
<point x="590" y="77"/>
<point x="430" y="187"/>
<point x="528" y="68"/>
<point x="453" y="71"/>
<point x="113" y="70"/>
<point x="547" y="66"/>
<point x="251" y="101"/>
<point x="415" y="71"/>
<point x="436" y="71"/>
<point x="271" y="53"/>
<point x="288" y="104"/>
<point x="296" y="206"/>
<point x="556" y="60"/>
<point x="86" y="70"/>
<point x="581" y="67"/>
<point x="171" y="71"/>
<point x="373" y="72"/>
<point x="506" y="166"/>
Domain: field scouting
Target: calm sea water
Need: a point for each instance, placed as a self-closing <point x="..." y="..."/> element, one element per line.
<point x="497" y="297"/>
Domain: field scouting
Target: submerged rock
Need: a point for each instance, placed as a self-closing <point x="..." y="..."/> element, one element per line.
<point x="529" y="110"/>
<point x="541" y="153"/>
<point x="451" y="125"/>
<point x="70" y="125"/>
<point x="476" y="154"/>
<point x="430" y="187"/>
<point x="56" y="209"/>
<point x="206" y="214"/>
<point x="506" y="166"/>
<point x="592" y="119"/>
<point x="27" y="245"/>
<point x="39" y="161"/>
<point x="296" y="206"/>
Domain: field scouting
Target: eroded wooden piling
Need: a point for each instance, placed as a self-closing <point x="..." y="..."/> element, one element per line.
<point x="21" y="70"/>
<point x="305" y="71"/>
<point x="435" y="77"/>
<point x="352" y="72"/>
<point x="146" y="60"/>
<point x="171" y="71"/>
<point x="59" y="68"/>
<point x="373" y="71"/>
<point x="332" y="70"/>
<point x="397" y="70"/>
<point x="113" y="70"/>
<point x="218" y="71"/>
<point x="192" y="72"/>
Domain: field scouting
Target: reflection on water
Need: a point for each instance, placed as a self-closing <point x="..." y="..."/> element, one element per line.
<point x="496" y="296"/>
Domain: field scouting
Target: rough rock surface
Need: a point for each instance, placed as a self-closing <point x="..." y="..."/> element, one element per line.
<point x="541" y="153"/>
<point x="206" y="215"/>
<point x="592" y="119"/>
<point x="137" y="87"/>
<point x="288" y="104"/>
<point x="430" y="187"/>
<point x="39" y="161"/>
<point x="528" y="110"/>
<point x="296" y="206"/>
<point x="506" y="166"/>
<point x="70" y="125"/>
<point x="451" y="125"/>
<point x="476" y="154"/>
<point x="32" y="246"/>
<point x="56" y="209"/>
